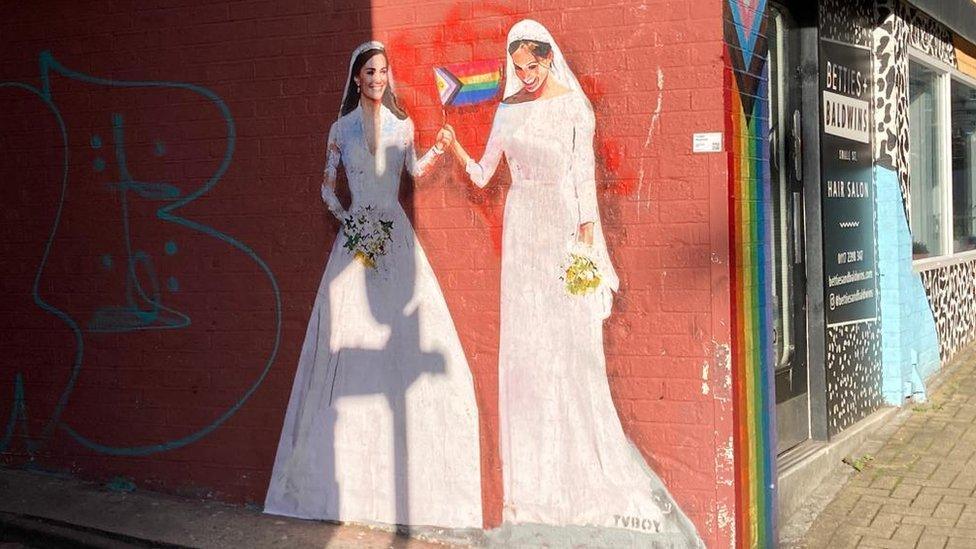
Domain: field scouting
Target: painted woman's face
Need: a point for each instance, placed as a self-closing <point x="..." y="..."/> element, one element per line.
<point x="373" y="78"/>
<point x="531" y="70"/>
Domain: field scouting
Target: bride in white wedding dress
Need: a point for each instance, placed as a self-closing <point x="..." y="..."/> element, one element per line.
<point x="382" y="424"/>
<point x="565" y="457"/>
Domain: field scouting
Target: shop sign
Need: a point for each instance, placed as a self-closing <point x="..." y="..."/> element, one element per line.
<point x="850" y="259"/>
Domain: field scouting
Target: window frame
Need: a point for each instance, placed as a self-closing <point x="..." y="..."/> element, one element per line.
<point x="969" y="82"/>
<point x="947" y="74"/>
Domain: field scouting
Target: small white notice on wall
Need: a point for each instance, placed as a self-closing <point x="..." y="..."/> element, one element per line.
<point x="707" y="142"/>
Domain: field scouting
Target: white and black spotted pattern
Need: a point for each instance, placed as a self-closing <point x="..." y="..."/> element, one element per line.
<point x="890" y="78"/>
<point x="927" y="34"/>
<point x="846" y="21"/>
<point x="853" y="374"/>
<point x="951" y="291"/>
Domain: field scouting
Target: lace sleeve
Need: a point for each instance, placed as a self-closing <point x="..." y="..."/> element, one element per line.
<point x="333" y="154"/>
<point x="417" y="167"/>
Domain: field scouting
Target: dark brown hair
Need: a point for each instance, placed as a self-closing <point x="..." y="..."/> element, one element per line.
<point x="351" y="100"/>
<point x="536" y="48"/>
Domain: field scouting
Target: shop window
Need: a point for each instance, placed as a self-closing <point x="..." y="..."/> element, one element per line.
<point x="925" y="161"/>
<point x="963" y="132"/>
<point x="942" y="158"/>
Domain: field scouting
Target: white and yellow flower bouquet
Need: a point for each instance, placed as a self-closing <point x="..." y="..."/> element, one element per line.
<point x="580" y="272"/>
<point x="368" y="236"/>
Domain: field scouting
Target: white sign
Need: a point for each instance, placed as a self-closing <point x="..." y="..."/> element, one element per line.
<point x="707" y="142"/>
<point x="846" y="117"/>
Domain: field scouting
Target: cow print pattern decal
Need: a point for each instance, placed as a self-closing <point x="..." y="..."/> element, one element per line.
<point x="891" y="95"/>
<point x="952" y="296"/>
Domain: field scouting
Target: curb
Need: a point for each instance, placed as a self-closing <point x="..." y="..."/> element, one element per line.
<point x="55" y="534"/>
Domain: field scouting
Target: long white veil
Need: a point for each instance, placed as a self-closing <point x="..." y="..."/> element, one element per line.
<point x="528" y="29"/>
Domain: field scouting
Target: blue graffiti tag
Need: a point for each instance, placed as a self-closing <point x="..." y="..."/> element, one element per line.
<point x="143" y="308"/>
<point x="19" y="411"/>
<point x="19" y="406"/>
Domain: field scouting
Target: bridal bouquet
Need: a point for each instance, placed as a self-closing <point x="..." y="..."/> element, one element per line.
<point x="368" y="236"/>
<point x="581" y="274"/>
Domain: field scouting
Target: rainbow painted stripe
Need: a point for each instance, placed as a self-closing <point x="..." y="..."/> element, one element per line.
<point x="752" y="349"/>
<point x="751" y="276"/>
<point x="468" y="83"/>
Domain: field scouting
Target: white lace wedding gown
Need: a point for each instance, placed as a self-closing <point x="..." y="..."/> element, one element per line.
<point x="382" y="424"/>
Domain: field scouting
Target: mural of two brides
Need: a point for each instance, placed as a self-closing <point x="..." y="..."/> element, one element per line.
<point x="382" y="422"/>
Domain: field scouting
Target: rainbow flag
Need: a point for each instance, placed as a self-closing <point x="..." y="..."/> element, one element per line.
<point x="468" y="83"/>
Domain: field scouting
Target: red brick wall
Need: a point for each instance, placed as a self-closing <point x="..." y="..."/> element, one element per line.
<point x="653" y="71"/>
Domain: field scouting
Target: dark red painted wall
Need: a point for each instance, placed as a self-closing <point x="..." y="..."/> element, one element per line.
<point x="653" y="71"/>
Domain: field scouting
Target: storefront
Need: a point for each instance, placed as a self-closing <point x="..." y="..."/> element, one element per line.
<point x="868" y="220"/>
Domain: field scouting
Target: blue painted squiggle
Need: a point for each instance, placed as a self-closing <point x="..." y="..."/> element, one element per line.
<point x="167" y="212"/>
<point x="18" y="412"/>
<point x="35" y="289"/>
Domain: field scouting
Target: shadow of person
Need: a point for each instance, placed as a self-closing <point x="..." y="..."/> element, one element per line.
<point x="390" y="362"/>
<point x="382" y="423"/>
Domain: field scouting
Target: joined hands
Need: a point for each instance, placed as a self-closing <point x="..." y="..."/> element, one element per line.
<point x="445" y="138"/>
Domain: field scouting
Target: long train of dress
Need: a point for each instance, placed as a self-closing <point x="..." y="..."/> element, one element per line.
<point x="566" y="459"/>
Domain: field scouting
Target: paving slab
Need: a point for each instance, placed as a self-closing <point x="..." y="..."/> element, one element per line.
<point x="919" y="491"/>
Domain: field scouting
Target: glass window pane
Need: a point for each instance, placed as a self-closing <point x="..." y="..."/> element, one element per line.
<point x="963" y="168"/>
<point x="924" y="160"/>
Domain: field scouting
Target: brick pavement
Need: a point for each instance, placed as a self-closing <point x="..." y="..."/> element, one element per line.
<point x="920" y="488"/>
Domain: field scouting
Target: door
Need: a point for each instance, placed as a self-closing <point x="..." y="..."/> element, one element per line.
<point x="789" y="255"/>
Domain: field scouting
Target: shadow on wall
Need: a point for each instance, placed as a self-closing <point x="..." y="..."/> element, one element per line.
<point x="382" y="425"/>
<point x="372" y="397"/>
